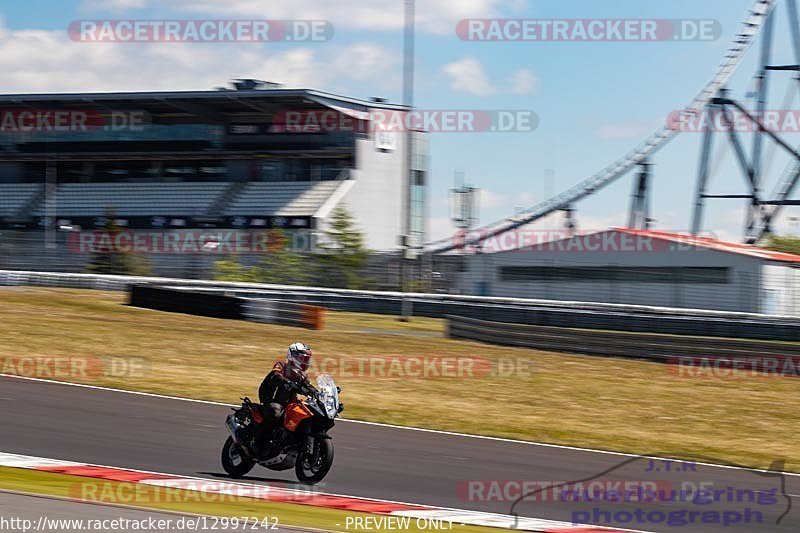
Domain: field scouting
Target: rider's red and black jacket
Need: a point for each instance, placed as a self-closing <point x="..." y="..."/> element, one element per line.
<point x="276" y="387"/>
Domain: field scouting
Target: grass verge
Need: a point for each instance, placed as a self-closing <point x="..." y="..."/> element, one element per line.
<point x="606" y="403"/>
<point x="190" y="502"/>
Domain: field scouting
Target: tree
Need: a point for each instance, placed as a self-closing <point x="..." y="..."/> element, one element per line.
<point x="786" y="244"/>
<point x="279" y="265"/>
<point x="230" y="270"/>
<point x="344" y="254"/>
<point x="110" y="258"/>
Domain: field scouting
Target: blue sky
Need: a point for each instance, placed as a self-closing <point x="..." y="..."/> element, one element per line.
<point x="595" y="101"/>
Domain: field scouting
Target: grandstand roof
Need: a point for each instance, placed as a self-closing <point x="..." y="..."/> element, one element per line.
<point x="202" y="103"/>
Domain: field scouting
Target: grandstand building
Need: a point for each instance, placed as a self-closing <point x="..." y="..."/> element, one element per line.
<point x="225" y="158"/>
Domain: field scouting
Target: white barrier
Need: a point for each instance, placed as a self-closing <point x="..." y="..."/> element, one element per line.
<point x="121" y="283"/>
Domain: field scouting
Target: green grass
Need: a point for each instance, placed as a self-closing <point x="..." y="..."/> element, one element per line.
<point x="606" y="403"/>
<point x="182" y="501"/>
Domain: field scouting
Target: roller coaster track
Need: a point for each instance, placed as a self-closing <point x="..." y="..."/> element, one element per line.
<point x="736" y="51"/>
<point x="782" y="192"/>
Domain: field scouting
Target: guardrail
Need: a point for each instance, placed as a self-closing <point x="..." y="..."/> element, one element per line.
<point x="620" y="317"/>
<point x="654" y="347"/>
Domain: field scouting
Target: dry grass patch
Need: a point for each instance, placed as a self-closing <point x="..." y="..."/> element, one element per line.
<point x="607" y="403"/>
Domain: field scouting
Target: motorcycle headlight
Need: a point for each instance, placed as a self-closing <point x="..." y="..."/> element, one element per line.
<point x="330" y="407"/>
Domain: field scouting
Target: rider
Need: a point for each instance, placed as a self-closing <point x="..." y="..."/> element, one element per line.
<point x="280" y="387"/>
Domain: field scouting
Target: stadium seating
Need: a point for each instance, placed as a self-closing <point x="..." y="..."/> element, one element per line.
<point x="282" y="198"/>
<point x="14" y="196"/>
<point x="137" y="199"/>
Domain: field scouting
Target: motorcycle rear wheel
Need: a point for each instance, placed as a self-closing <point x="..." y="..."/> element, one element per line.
<point x="235" y="462"/>
<point x="311" y="474"/>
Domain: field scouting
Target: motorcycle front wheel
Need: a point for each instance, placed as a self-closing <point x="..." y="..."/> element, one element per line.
<point x="311" y="474"/>
<point x="235" y="462"/>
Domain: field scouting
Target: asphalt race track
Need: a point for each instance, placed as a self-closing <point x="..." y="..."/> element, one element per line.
<point x="178" y="437"/>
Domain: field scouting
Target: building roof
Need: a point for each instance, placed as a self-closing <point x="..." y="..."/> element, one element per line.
<point x="714" y="244"/>
<point x="204" y="103"/>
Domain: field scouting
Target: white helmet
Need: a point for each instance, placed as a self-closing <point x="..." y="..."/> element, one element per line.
<point x="298" y="358"/>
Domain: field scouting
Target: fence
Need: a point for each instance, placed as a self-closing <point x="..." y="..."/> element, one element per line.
<point x="512" y="310"/>
<point x="62" y="252"/>
<point x="725" y="285"/>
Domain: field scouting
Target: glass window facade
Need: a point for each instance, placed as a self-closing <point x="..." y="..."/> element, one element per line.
<point x="419" y="166"/>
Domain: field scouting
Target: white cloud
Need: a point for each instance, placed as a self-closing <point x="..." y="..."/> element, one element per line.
<point x="440" y="228"/>
<point x="367" y="62"/>
<point x="467" y="75"/>
<point x="45" y="61"/>
<point x="493" y="200"/>
<point x="435" y="16"/>
<point x="114" y="6"/>
<point x="523" y="81"/>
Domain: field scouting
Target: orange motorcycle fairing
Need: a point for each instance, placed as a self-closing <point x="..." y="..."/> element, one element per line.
<point x="296" y="412"/>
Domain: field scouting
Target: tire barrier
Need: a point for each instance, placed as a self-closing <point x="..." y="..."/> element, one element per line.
<point x="220" y="305"/>
<point x="284" y="313"/>
<point x="191" y="303"/>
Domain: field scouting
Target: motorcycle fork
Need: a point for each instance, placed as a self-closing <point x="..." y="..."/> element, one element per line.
<point x="312" y="448"/>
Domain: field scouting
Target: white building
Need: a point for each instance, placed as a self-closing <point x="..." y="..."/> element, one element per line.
<point x="637" y="267"/>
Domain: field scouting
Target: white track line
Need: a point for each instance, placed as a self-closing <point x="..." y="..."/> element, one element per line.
<point x="406" y="428"/>
<point x="462" y="516"/>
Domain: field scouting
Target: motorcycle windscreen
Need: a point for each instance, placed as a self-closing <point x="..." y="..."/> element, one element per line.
<point x="328" y="394"/>
<point x="296" y="412"/>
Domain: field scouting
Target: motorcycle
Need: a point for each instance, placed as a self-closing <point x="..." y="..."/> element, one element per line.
<point x="301" y="441"/>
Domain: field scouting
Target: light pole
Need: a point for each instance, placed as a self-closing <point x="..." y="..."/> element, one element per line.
<point x="407" y="180"/>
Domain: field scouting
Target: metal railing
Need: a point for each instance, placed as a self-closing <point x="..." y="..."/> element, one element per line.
<point x="525" y="311"/>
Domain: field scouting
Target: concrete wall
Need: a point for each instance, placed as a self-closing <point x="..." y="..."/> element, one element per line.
<point x="741" y="293"/>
